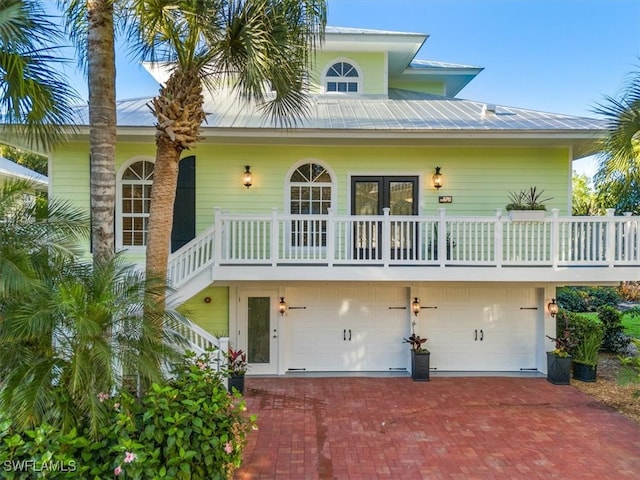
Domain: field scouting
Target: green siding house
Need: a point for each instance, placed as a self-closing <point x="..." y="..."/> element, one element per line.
<point x="313" y="263"/>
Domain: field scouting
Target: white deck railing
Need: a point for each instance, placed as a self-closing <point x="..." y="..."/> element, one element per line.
<point x="386" y="240"/>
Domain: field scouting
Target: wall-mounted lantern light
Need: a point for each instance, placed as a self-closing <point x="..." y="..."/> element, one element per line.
<point x="282" y="306"/>
<point x="553" y="307"/>
<point x="247" y="176"/>
<point x="415" y="306"/>
<point x="437" y="179"/>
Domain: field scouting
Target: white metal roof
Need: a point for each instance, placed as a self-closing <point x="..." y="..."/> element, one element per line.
<point x="402" y="110"/>
<point x="11" y="170"/>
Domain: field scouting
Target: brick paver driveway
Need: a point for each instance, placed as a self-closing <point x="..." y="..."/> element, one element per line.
<point x="448" y="428"/>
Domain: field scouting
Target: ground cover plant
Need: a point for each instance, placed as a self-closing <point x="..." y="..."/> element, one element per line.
<point x="188" y="428"/>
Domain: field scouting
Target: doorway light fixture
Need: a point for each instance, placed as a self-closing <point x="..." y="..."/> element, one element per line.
<point x="437" y="179"/>
<point x="282" y="306"/>
<point x="415" y="306"/>
<point x="247" y="176"/>
<point x="553" y="307"/>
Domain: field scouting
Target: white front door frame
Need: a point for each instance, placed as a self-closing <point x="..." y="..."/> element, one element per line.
<point x="243" y="334"/>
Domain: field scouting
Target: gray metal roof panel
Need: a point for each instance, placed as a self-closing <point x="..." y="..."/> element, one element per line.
<point x="403" y="110"/>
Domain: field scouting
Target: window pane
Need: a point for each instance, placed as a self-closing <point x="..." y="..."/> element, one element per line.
<point x="366" y="198"/>
<point x="258" y="324"/>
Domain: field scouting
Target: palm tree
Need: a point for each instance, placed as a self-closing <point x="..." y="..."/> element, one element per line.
<point x="91" y="25"/>
<point x="35" y="100"/>
<point x="618" y="175"/>
<point x="70" y="331"/>
<point x="260" y="48"/>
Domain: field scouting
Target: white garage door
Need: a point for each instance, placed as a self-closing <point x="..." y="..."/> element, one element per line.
<point x="345" y="328"/>
<point x="480" y="329"/>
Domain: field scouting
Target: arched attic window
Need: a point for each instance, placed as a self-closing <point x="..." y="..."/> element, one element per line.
<point x="342" y="77"/>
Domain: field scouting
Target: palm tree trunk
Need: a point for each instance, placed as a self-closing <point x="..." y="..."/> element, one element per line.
<point x="102" y="120"/>
<point x="163" y="193"/>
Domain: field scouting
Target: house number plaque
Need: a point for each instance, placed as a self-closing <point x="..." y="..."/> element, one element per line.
<point x="445" y="199"/>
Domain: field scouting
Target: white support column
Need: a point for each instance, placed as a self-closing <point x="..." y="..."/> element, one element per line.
<point x="331" y="237"/>
<point x="386" y="237"/>
<point x="442" y="237"/>
<point x="217" y="239"/>
<point x="498" y="239"/>
<point x="555" y="237"/>
<point x="610" y="252"/>
<point x="275" y="237"/>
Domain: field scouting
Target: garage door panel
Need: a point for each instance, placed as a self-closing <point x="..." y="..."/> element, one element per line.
<point x="352" y="329"/>
<point x="479" y="328"/>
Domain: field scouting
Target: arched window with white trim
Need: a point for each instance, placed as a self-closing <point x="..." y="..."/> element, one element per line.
<point x="311" y="192"/>
<point x="133" y="201"/>
<point x="342" y="77"/>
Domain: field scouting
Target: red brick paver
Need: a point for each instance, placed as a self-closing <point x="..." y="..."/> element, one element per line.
<point x="448" y="428"/>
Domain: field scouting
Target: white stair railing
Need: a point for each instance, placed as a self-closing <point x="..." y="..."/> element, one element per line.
<point x="199" y="341"/>
<point x="191" y="259"/>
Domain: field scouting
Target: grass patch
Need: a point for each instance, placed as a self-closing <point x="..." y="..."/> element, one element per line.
<point x="630" y="322"/>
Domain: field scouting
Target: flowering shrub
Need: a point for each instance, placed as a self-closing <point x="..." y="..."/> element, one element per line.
<point x="190" y="428"/>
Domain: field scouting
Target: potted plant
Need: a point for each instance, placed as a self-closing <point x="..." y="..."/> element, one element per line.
<point x="585" y="354"/>
<point x="236" y="369"/>
<point x="559" y="359"/>
<point x="419" y="358"/>
<point x="527" y="204"/>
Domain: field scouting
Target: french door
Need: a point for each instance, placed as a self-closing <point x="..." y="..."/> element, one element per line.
<point x="370" y="195"/>
<point x="258" y="330"/>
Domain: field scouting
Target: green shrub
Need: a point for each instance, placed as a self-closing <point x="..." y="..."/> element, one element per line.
<point x="587" y="299"/>
<point x="615" y="340"/>
<point x="572" y="299"/>
<point x="588" y="335"/>
<point x="190" y="428"/>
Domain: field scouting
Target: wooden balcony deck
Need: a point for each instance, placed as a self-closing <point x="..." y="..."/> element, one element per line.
<point x="439" y="247"/>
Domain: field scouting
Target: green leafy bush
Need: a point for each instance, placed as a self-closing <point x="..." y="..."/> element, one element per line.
<point x="587" y="299"/>
<point x="190" y="428"/>
<point x="615" y="340"/>
<point x="587" y="337"/>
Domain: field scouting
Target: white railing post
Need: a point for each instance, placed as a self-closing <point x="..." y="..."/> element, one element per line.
<point x="610" y="253"/>
<point x="386" y="237"/>
<point x="442" y="237"/>
<point x="626" y="241"/>
<point x="555" y="237"/>
<point x="498" y="239"/>
<point x="331" y="237"/>
<point x="217" y="238"/>
<point x="275" y="237"/>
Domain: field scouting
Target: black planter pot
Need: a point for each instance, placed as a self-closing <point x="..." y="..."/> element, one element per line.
<point x="585" y="373"/>
<point x="558" y="369"/>
<point x="420" y="366"/>
<point x="236" y="382"/>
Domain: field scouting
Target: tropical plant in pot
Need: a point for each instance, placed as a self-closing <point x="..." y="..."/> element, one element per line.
<point x="559" y="360"/>
<point x="585" y="354"/>
<point x="527" y="201"/>
<point x="420" y="357"/>
<point x="236" y="369"/>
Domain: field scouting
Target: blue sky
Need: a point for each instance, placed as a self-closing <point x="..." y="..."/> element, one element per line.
<point x="550" y="55"/>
